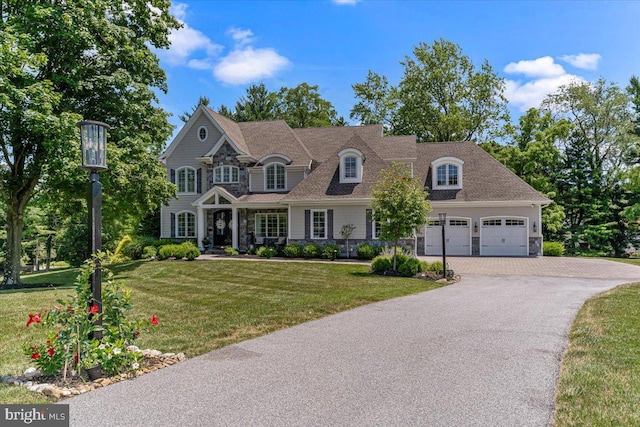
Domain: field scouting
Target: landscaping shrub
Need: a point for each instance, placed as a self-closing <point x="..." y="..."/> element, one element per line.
<point x="312" y="250"/>
<point x="191" y="250"/>
<point x="409" y="267"/>
<point x="368" y="251"/>
<point x="434" y="266"/>
<point x="230" y="250"/>
<point x="135" y="248"/>
<point x="267" y="252"/>
<point x="149" y="252"/>
<point x="184" y="250"/>
<point x="292" y="250"/>
<point x="382" y="263"/>
<point x="552" y="249"/>
<point x="331" y="251"/>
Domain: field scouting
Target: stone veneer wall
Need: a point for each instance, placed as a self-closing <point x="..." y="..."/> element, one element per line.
<point x="228" y="156"/>
<point x="247" y="227"/>
<point x="535" y="246"/>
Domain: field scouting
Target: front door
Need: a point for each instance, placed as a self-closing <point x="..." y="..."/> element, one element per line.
<point x="221" y="228"/>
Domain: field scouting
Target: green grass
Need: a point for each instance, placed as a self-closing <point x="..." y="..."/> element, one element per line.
<point x="202" y="305"/>
<point x="634" y="261"/>
<point x="600" y="375"/>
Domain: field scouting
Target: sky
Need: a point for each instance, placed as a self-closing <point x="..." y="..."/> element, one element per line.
<point x="537" y="46"/>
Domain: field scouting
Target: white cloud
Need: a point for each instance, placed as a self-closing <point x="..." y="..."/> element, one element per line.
<point x="249" y="64"/>
<point x="241" y="36"/>
<point x="586" y="61"/>
<point x="346" y="1"/>
<point x="187" y="41"/>
<point x="525" y="95"/>
<point x="194" y="49"/>
<point x="179" y="11"/>
<point x="542" y="76"/>
<point x="541" y="67"/>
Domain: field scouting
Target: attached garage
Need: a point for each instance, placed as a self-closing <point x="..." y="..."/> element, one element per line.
<point x="457" y="235"/>
<point x="504" y="236"/>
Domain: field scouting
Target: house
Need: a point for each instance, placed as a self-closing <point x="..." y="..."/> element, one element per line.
<point x="263" y="183"/>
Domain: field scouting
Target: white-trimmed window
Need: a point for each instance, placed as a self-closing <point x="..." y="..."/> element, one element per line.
<point x="186" y="180"/>
<point x="318" y="224"/>
<point x="492" y="223"/>
<point x="447" y="173"/>
<point x="186" y="224"/>
<point x="350" y="165"/>
<point x="203" y="132"/>
<point x="275" y="177"/>
<point x="225" y="174"/>
<point x="271" y="225"/>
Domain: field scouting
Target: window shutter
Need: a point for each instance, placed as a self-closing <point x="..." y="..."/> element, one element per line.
<point x="199" y="181"/>
<point x="369" y="224"/>
<point x="173" y="226"/>
<point x="307" y="224"/>
<point x="173" y="175"/>
<point x="330" y="224"/>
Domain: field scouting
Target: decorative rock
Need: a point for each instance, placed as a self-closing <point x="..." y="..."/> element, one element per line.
<point x="32" y="373"/>
<point x="169" y="355"/>
<point x="66" y="393"/>
<point x="181" y="357"/>
<point x="133" y="348"/>
<point x="52" y="392"/>
<point x="28" y="384"/>
<point x="151" y="353"/>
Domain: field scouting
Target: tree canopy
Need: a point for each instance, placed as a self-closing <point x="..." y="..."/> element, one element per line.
<point x="63" y="61"/>
<point x="441" y="97"/>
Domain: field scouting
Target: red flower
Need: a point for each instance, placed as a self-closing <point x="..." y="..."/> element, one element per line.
<point x="69" y="308"/>
<point x="34" y="318"/>
<point x="93" y="309"/>
<point x="154" y="320"/>
<point x="75" y="358"/>
<point x="50" y="351"/>
<point x="35" y="356"/>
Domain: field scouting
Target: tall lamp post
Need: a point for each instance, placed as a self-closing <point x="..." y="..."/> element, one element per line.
<point x="93" y="145"/>
<point x="443" y="220"/>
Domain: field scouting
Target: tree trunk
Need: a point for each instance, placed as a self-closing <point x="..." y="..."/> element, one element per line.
<point x="15" y="224"/>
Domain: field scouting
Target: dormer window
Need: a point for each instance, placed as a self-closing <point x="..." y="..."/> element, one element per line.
<point x="350" y="165"/>
<point x="275" y="178"/>
<point x="447" y="173"/>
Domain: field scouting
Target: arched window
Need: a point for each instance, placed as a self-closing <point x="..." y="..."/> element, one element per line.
<point x="275" y="177"/>
<point x="447" y="173"/>
<point x="186" y="180"/>
<point x="350" y="165"/>
<point x="225" y="174"/>
<point x="186" y="224"/>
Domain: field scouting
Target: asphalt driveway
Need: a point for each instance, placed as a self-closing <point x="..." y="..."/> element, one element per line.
<point x="483" y="352"/>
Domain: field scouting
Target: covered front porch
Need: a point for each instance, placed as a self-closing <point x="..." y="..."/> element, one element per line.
<point x="217" y="219"/>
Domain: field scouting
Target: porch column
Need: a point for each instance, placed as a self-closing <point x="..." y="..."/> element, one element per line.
<point x="234" y="229"/>
<point x="200" y="227"/>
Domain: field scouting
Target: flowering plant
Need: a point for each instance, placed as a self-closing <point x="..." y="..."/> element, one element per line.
<point x="69" y="345"/>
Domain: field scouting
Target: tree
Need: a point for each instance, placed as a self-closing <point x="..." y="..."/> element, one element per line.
<point x="62" y="61"/>
<point x="441" y="97"/>
<point x="185" y="116"/>
<point x="532" y="153"/>
<point x="634" y="92"/>
<point x="399" y="204"/>
<point x="258" y="105"/>
<point x="302" y="107"/>
<point x="596" y="153"/>
<point x="377" y="103"/>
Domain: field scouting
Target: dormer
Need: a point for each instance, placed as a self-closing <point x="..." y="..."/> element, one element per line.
<point x="351" y="161"/>
<point x="446" y="173"/>
<point x="274" y="172"/>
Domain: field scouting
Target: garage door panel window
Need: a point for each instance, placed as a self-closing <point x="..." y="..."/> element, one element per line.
<point x="514" y="222"/>
<point x="458" y="223"/>
<point x="492" y="223"/>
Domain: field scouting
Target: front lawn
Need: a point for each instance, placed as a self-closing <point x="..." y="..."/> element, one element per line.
<point x="633" y="261"/>
<point x="600" y="375"/>
<point x="205" y="305"/>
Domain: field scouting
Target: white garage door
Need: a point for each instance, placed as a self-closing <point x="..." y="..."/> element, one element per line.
<point x="504" y="237"/>
<point x="457" y="234"/>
